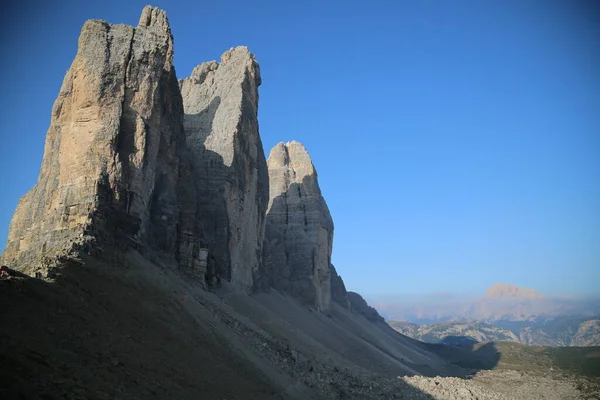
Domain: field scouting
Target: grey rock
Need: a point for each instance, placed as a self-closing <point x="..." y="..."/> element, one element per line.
<point x="110" y="164"/>
<point x="339" y="293"/>
<point x="360" y="306"/>
<point x="228" y="166"/>
<point x="299" y="232"/>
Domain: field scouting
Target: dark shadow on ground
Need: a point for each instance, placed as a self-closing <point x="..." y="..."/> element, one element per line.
<point x="98" y="331"/>
<point x="466" y="353"/>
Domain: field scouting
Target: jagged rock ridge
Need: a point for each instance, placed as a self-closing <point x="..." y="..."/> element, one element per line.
<point x="120" y="171"/>
<point x="135" y="159"/>
<point x="454" y="333"/>
<point x="299" y="231"/>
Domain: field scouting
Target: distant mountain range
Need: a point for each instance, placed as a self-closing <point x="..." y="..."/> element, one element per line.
<point x="555" y="332"/>
<point x="504" y="291"/>
<point x="506" y="313"/>
<point x="454" y="332"/>
<point x="502" y="302"/>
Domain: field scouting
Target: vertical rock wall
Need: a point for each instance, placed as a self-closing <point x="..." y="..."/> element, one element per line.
<point x="228" y="164"/>
<point x="110" y="165"/>
<point x="299" y="232"/>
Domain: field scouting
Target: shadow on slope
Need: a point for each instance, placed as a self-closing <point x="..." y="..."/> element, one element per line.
<point x="467" y="353"/>
<point x="135" y="330"/>
<point x="104" y="331"/>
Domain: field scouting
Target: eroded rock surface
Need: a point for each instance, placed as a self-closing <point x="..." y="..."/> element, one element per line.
<point x="228" y="163"/>
<point x="299" y="232"/>
<point x="110" y="166"/>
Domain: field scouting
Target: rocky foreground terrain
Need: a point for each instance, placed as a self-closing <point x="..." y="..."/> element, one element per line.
<point x="161" y="256"/>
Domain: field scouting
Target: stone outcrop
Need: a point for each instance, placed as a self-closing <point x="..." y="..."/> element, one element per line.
<point x="360" y="306"/>
<point x="299" y="231"/>
<point x="110" y="166"/>
<point x="338" y="289"/>
<point x="135" y="159"/>
<point x="228" y="164"/>
<point x="129" y="164"/>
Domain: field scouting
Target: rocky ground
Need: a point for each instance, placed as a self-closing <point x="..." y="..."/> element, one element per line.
<point x="496" y="385"/>
<point x="136" y="331"/>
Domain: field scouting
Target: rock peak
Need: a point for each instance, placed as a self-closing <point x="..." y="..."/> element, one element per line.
<point x="239" y="52"/>
<point x="291" y="162"/>
<point x="154" y="17"/>
<point x="504" y="290"/>
<point x="220" y="101"/>
<point x="299" y="232"/>
<point x="109" y="173"/>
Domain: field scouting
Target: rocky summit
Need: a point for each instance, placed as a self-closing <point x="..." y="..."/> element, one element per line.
<point x="299" y="233"/>
<point x="159" y="255"/>
<point x="130" y="163"/>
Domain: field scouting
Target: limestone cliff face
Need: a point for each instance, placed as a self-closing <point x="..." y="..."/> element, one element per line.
<point x="228" y="163"/>
<point x="299" y="232"/>
<point x="110" y="167"/>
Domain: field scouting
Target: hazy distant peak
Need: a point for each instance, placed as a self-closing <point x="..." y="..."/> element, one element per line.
<point x="503" y="291"/>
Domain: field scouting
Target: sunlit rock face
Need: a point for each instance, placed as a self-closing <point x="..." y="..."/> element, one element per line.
<point x="110" y="168"/>
<point x="228" y="164"/>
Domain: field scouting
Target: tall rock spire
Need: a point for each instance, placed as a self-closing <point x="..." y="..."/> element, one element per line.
<point x="299" y="232"/>
<point x="228" y="164"/>
<point x="110" y="166"/>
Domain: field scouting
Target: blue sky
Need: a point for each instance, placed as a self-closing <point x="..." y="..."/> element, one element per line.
<point x="457" y="142"/>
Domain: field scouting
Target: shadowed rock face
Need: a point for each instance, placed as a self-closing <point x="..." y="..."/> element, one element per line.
<point x="110" y="164"/>
<point x="299" y="232"/>
<point x="338" y="289"/>
<point x="360" y="306"/>
<point x="228" y="163"/>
